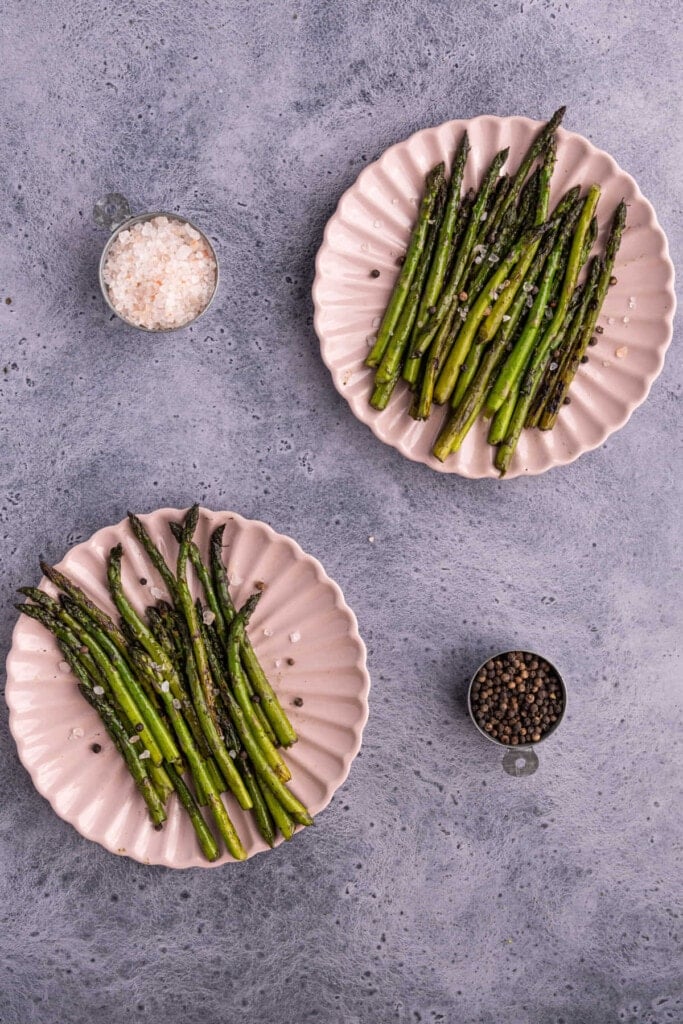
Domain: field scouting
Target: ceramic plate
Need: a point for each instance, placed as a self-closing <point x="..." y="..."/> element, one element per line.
<point x="302" y="615"/>
<point x="370" y="229"/>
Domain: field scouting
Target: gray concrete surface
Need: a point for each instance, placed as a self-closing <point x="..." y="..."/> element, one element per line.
<point x="434" y="888"/>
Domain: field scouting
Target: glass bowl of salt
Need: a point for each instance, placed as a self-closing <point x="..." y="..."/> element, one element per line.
<point x="158" y="271"/>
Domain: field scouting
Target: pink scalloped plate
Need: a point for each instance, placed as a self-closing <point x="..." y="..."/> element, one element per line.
<point x="370" y="230"/>
<point x="301" y="616"/>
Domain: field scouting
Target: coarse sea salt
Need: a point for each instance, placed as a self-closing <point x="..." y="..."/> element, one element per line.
<point x="160" y="273"/>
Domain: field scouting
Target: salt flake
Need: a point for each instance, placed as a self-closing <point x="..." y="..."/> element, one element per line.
<point x="294" y="638"/>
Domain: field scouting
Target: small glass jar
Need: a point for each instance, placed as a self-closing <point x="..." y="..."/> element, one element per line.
<point x="113" y="213"/>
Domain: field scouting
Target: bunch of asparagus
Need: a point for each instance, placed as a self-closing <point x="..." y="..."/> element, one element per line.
<point x="180" y="691"/>
<point x="488" y="314"/>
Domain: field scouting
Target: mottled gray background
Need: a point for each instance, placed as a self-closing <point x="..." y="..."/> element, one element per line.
<point x="434" y="888"/>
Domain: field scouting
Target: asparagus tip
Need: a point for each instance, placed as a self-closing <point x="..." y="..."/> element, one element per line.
<point x="191" y="520"/>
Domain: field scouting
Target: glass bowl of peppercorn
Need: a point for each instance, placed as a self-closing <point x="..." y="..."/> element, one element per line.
<point x="517" y="699"/>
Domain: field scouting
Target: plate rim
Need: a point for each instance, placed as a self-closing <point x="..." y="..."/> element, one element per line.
<point x="667" y="318"/>
<point x="340" y="603"/>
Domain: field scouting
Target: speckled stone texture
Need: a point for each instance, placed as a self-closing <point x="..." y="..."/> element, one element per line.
<point x="435" y="888"/>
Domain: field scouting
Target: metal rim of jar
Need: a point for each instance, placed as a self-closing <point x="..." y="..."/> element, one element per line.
<point x="141" y="218"/>
<point x="520" y="746"/>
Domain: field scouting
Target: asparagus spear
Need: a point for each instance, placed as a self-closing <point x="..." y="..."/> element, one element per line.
<point x="450" y="293"/>
<point x="241" y="693"/>
<point x="214" y="652"/>
<point x="417" y="241"/>
<point x="514" y="222"/>
<point x="119" y="737"/>
<point x="562" y="354"/>
<point x="390" y="366"/>
<point x="500" y="424"/>
<point x="161" y="634"/>
<point x="502" y="420"/>
<point x="158" y="661"/>
<point x="189" y="611"/>
<point x="271" y="705"/>
<point x="480" y="308"/>
<point x="541" y="357"/>
<point x="438" y="351"/>
<point x="153" y="552"/>
<point x="549" y="418"/>
<point x="204" y="835"/>
<point x="214" y="738"/>
<point x="442" y="255"/>
<point x="74" y="616"/>
<point x="281" y="817"/>
<point x="463" y="417"/>
<point x="488" y="225"/>
<point x="517" y="359"/>
<point x="491" y="325"/>
<point x="203" y="780"/>
<point x="381" y="393"/>
<point x="53" y="619"/>
<point x="264" y="821"/>
<point x="539" y="144"/>
<point x="412" y="367"/>
<point x="545" y="173"/>
<point x="139" y="630"/>
<point x="62" y="581"/>
<point x="264" y="771"/>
